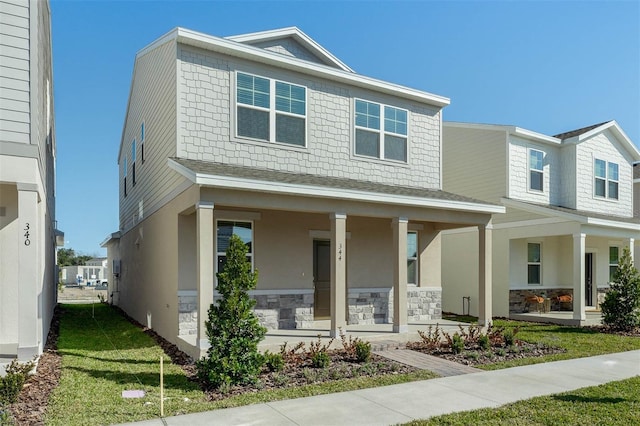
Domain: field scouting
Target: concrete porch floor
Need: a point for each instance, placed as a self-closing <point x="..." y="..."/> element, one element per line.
<point x="380" y="336"/>
<point x="559" y="317"/>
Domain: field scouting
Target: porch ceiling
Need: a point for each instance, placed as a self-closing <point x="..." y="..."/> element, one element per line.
<point x="226" y="176"/>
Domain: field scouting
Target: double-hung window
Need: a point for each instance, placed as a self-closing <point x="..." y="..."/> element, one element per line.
<point x="142" y="142"/>
<point x="412" y="258"/>
<point x="614" y="256"/>
<point x="380" y="131"/>
<point x="534" y="263"/>
<point x="225" y="229"/>
<point x="133" y="162"/>
<point x="606" y="179"/>
<point x="271" y="110"/>
<point x="124" y="173"/>
<point x="536" y="171"/>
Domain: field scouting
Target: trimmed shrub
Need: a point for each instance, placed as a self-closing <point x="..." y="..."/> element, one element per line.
<point x="621" y="306"/>
<point x="320" y="360"/>
<point x="363" y="351"/>
<point x="232" y="327"/>
<point x="274" y="362"/>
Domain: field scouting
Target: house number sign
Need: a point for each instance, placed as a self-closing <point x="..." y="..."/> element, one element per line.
<point x="27" y="228"/>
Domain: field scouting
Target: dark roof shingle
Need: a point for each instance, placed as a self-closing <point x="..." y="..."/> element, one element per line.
<point x="577" y="132"/>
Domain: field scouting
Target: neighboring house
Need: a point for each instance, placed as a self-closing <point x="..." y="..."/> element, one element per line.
<point x="93" y="272"/>
<point x="28" y="235"/>
<point x="333" y="180"/>
<point x="569" y="202"/>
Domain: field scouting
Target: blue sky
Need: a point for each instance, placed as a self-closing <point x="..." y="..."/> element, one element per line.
<point x="545" y="66"/>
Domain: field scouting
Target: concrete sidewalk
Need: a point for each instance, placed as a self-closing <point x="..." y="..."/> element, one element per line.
<point x="420" y="400"/>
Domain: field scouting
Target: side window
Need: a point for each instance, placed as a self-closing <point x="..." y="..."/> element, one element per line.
<point x="142" y="142"/>
<point x="534" y="263"/>
<point x="124" y="173"/>
<point x="133" y="162"/>
<point x="412" y="258"/>
<point x="614" y="256"/>
<point x="606" y="179"/>
<point x="536" y="170"/>
<point x="380" y="131"/>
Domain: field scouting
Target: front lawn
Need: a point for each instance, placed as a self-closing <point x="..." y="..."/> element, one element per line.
<point x="104" y="354"/>
<point x="615" y="403"/>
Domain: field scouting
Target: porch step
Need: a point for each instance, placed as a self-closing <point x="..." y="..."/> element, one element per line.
<point x="440" y="366"/>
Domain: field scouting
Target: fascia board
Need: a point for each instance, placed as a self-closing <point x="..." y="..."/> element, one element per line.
<point x="479" y="126"/>
<point x="252" y="53"/>
<point x="110" y="237"/>
<point x="297" y="34"/>
<point x="326" y="192"/>
<point x="613" y="224"/>
<point x="535" y="136"/>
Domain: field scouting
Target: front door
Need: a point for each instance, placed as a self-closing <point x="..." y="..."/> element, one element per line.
<point x="322" y="279"/>
<point x="588" y="279"/>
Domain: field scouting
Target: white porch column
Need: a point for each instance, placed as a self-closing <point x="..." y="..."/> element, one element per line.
<point x="338" y="273"/>
<point x="485" y="259"/>
<point x="28" y="260"/>
<point x="578" y="276"/>
<point x="631" y="243"/>
<point x="399" y="226"/>
<point x="205" y="257"/>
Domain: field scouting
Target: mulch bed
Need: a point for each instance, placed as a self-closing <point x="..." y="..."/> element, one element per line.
<point x="33" y="399"/>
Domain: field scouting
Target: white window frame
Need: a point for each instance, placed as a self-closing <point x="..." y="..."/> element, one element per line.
<point x="223" y="253"/>
<point x="539" y="263"/>
<point x="273" y="112"/>
<point x="606" y="179"/>
<point x="532" y="170"/>
<point x="380" y="131"/>
<point x="414" y="258"/>
<point x="613" y="264"/>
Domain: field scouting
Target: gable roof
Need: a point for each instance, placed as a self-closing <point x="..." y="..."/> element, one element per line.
<point x="578" y="132"/>
<point x="250" y="178"/>
<point x="580" y="135"/>
<point x="300" y="37"/>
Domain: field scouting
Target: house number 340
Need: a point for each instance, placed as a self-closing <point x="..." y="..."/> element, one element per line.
<point x="27" y="241"/>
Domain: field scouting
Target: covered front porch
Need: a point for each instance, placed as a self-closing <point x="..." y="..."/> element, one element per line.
<point x="566" y="261"/>
<point x="356" y="257"/>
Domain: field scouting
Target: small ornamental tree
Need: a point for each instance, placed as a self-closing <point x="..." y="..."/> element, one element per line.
<point x="232" y="327"/>
<point x="621" y="306"/>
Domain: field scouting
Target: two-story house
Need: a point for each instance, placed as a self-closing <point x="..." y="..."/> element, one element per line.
<point x="333" y="180"/>
<point x="28" y="235"/>
<point x="569" y="212"/>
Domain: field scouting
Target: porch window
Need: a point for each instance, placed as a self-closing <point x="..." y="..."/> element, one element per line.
<point x="534" y="264"/>
<point x="606" y="179"/>
<point x="380" y="131"/>
<point x="614" y="257"/>
<point x="536" y="173"/>
<point x="225" y="229"/>
<point x="270" y="110"/>
<point x="412" y="258"/>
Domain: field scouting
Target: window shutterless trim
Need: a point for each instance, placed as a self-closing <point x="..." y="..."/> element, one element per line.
<point x="606" y="180"/>
<point x="275" y="109"/>
<point x="374" y="120"/>
<point x="533" y="170"/>
<point x="533" y="263"/>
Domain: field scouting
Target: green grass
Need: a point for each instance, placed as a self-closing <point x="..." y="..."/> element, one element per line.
<point x="615" y="403"/>
<point x="578" y="342"/>
<point x="104" y="354"/>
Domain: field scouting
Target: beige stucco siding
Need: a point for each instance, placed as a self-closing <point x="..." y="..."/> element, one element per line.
<point x="474" y="162"/>
<point x="604" y="146"/>
<point x="152" y="102"/>
<point x="207" y="129"/>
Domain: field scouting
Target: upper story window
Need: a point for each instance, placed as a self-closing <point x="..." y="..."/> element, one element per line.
<point x="124" y="173"/>
<point x="142" y="142"/>
<point x="536" y="170"/>
<point x="381" y="131"/>
<point x="606" y="179"/>
<point x="270" y="110"/>
<point x="133" y="162"/>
